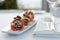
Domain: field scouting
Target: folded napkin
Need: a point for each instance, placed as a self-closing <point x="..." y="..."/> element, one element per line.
<point x="42" y="29"/>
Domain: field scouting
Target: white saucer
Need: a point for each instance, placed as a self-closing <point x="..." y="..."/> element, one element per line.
<point x="9" y="31"/>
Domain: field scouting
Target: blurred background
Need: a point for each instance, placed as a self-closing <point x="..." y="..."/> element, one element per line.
<point x="24" y="4"/>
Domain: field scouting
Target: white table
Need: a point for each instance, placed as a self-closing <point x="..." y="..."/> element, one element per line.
<point x="5" y="19"/>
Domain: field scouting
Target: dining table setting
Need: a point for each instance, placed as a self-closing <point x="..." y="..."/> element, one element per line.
<point x="44" y="27"/>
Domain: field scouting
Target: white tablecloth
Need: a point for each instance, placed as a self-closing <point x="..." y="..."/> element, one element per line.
<point x="5" y="19"/>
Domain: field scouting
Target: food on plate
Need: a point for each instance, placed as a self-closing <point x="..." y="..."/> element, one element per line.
<point x="25" y="14"/>
<point x="26" y="21"/>
<point x="17" y="24"/>
<point x="29" y="15"/>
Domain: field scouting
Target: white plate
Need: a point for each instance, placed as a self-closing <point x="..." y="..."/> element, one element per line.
<point x="9" y="31"/>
